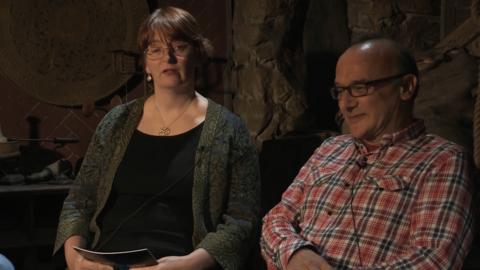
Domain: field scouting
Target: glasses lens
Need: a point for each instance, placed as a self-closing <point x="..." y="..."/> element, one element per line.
<point x="179" y="49"/>
<point x="334" y="92"/>
<point x="155" y="52"/>
<point x="358" y="90"/>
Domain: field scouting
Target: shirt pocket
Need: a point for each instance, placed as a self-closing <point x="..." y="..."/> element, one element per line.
<point x="390" y="182"/>
<point x="321" y="198"/>
<point x="321" y="175"/>
<point x="386" y="207"/>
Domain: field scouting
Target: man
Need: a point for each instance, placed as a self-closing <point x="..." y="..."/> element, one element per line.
<point x="385" y="196"/>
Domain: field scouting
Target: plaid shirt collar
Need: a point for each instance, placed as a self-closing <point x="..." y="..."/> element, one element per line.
<point x="414" y="130"/>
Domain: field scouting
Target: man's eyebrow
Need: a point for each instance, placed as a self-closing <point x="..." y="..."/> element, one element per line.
<point x="353" y="82"/>
<point x="359" y="81"/>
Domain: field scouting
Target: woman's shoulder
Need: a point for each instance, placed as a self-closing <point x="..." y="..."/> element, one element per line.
<point x="119" y="113"/>
<point x="223" y="116"/>
<point x="126" y="107"/>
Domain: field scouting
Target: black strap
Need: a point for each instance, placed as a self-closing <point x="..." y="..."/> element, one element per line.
<point x="176" y="163"/>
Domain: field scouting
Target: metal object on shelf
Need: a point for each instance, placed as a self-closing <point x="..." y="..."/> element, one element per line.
<point x="7" y="149"/>
<point x="56" y="140"/>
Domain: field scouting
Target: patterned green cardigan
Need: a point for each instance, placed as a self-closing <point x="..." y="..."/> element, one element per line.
<point x="226" y="185"/>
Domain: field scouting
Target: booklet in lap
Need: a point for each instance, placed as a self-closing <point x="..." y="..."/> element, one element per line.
<point x="131" y="258"/>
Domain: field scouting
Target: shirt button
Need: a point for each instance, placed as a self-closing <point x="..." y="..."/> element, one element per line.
<point x="329" y="213"/>
<point x="347" y="185"/>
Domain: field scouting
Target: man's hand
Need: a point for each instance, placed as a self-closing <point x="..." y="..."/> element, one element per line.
<point x="307" y="259"/>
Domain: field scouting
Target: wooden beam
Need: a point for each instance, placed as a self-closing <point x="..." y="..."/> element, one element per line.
<point x="461" y="36"/>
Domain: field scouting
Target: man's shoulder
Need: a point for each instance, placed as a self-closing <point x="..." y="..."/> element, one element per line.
<point x="339" y="140"/>
<point x="334" y="144"/>
<point x="435" y="150"/>
<point x="435" y="143"/>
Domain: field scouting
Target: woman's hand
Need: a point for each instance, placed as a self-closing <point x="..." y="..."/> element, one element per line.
<point x="80" y="263"/>
<point x="75" y="261"/>
<point x="198" y="259"/>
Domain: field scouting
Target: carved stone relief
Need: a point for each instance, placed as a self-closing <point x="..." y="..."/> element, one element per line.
<point x="62" y="52"/>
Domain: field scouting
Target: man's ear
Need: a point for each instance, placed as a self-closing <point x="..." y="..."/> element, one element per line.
<point x="409" y="87"/>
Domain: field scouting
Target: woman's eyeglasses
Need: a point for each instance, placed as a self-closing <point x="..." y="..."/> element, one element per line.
<point x="177" y="48"/>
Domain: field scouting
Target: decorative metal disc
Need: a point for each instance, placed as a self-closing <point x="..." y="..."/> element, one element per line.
<point x="60" y="51"/>
<point x="165" y="131"/>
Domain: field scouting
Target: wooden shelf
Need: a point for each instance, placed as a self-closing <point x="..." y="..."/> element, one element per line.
<point x="41" y="189"/>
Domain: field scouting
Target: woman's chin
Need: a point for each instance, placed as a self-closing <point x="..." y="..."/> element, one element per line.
<point x="175" y="83"/>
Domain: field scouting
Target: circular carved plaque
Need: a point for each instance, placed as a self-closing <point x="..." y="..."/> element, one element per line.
<point x="61" y="51"/>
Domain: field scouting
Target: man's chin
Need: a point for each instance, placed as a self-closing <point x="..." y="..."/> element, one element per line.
<point x="356" y="131"/>
<point x="363" y="136"/>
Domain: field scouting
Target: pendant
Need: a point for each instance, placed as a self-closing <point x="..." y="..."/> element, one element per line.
<point x="165" y="131"/>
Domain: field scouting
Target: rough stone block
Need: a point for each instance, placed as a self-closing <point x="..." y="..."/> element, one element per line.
<point x="252" y="81"/>
<point x="444" y="100"/>
<point x="371" y="14"/>
<point x="257" y="10"/>
<point x="246" y="34"/>
<point x="418" y="32"/>
<point x="241" y="55"/>
<point x="255" y="119"/>
<point x="474" y="47"/>
<point x="427" y="7"/>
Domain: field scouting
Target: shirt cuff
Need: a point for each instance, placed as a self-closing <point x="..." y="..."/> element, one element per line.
<point x="289" y="247"/>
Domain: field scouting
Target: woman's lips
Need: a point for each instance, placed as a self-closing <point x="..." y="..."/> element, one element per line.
<point x="169" y="70"/>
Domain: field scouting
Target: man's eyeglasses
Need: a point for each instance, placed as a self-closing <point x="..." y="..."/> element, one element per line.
<point x="177" y="48"/>
<point x="361" y="89"/>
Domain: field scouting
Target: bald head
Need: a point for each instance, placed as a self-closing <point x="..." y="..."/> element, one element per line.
<point x="377" y="58"/>
<point x="376" y="83"/>
<point x="386" y="54"/>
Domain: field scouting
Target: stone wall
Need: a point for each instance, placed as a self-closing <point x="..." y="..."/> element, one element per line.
<point x="448" y="77"/>
<point x="284" y="54"/>
<point x="274" y="42"/>
<point x="415" y="23"/>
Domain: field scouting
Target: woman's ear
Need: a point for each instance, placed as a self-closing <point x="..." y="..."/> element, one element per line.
<point x="408" y="88"/>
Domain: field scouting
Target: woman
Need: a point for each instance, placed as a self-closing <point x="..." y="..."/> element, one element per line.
<point x="173" y="172"/>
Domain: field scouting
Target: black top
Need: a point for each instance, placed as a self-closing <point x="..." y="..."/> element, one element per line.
<point x="151" y="165"/>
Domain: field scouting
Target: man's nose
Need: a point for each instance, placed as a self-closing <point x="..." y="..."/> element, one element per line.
<point x="346" y="102"/>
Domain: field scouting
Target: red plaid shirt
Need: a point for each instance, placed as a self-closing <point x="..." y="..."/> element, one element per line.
<point x="405" y="205"/>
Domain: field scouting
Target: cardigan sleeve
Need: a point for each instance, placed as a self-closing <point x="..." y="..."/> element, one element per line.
<point x="235" y="236"/>
<point x="80" y="203"/>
